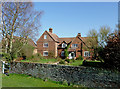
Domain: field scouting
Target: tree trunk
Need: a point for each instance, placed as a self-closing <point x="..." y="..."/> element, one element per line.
<point x="6" y="45"/>
<point x="11" y="39"/>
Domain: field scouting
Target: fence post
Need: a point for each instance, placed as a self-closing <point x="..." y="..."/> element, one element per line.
<point x="3" y="67"/>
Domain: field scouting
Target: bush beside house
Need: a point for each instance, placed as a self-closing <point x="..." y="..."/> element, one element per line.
<point x="111" y="53"/>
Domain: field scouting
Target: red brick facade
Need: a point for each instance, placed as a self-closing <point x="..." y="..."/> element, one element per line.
<point x="57" y="45"/>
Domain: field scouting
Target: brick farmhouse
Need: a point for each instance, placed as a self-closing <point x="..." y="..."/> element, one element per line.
<point x="51" y="43"/>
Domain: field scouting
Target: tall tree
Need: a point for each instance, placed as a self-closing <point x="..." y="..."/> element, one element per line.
<point x="103" y="36"/>
<point x="20" y="19"/>
<point x="98" y="40"/>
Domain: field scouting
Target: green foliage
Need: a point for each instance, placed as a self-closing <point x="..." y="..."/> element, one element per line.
<point x="66" y="50"/>
<point x="36" y="57"/>
<point x="58" y="58"/>
<point x="62" y="62"/>
<point x="111" y="53"/>
<point x="66" y="53"/>
<point x="6" y="56"/>
<point x="51" y="54"/>
<point x="73" y="60"/>
<point x="97" y="40"/>
<point x="27" y="51"/>
<point x="80" y="58"/>
<point x="67" y="60"/>
<point x="76" y="62"/>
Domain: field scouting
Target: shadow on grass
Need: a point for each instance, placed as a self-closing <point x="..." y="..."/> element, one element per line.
<point x="99" y="65"/>
<point x="94" y="64"/>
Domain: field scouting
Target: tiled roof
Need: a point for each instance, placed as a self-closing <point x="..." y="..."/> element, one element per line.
<point x="66" y="39"/>
<point x="30" y="41"/>
<point x="54" y="36"/>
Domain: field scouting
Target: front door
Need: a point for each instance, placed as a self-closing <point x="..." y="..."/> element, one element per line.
<point x="71" y="55"/>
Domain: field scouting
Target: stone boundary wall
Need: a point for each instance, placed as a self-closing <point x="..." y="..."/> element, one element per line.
<point x="87" y="76"/>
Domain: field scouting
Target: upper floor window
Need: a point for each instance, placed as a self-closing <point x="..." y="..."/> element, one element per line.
<point x="45" y="45"/>
<point x="74" y="45"/>
<point x="45" y="36"/>
<point x="45" y="53"/>
<point x="64" y="45"/>
<point x="86" y="53"/>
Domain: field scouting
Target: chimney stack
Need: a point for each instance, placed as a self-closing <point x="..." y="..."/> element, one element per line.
<point x="50" y="30"/>
<point x="79" y="34"/>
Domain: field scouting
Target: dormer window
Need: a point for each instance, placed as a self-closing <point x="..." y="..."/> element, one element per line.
<point x="45" y="36"/>
<point x="64" y="45"/>
<point x="74" y="45"/>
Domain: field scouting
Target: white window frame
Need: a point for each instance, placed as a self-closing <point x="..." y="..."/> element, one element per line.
<point x="64" y="45"/>
<point x="44" y="45"/>
<point x="45" y="36"/>
<point x="44" y="52"/>
<point x="87" y="52"/>
<point x="74" y="45"/>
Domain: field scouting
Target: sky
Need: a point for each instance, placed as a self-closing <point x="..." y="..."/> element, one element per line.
<point x="70" y="18"/>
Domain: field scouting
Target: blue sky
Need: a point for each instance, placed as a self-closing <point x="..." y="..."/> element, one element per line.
<point x="69" y="18"/>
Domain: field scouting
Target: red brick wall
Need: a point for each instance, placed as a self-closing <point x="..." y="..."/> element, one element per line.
<point x="49" y="40"/>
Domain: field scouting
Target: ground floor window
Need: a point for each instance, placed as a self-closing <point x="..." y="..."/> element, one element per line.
<point x="62" y="53"/>
<point x="86" y="53"/>
<point x="45" y="53"/>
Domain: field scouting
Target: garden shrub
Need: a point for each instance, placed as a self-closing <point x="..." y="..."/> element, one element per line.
<point x="37" y="56"/>
<point x="58" y="58"/>
<point x="62" y="62"/>
<point x="73" y="60"/>
<point x="80" y="58"/>
<point x="27" y="50"/>
<point x="111" y="53"/>
<point x="51" y="54"/>
<point x="67" y="60"/>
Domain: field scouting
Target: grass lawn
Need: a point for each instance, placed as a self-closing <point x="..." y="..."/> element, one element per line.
<point x="52" y="61"/>
<point x="72" y="63"/>
<point x="41" y="60"/>
<point x="0" y="79"/>
<point x="20" y="80"/>
<point x="93" y="61"/>
<point x="76" y="63"/>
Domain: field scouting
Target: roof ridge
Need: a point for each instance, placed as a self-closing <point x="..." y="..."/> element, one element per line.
<point x="66" y="37"/>
<point x="52" y="36"/>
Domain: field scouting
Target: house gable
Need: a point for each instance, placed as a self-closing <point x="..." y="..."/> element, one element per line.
<point x="49" y="38"/>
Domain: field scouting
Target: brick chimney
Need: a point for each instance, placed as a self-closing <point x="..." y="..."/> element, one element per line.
<point x="50" y="30"/>
<point x="79" y="34"/>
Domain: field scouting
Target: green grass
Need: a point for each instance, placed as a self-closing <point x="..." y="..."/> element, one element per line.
<point x="76" y="63"/>
<point x="72" y="63"/>
<point x="98" y="64"/>
<point x="41" y="60"/>
<point x="0" y="80"/>
<point x="20" y="80"/>
<point x="93" y="61"/>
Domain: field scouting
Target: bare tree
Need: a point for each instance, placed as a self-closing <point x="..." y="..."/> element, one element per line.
<point x="20" y="19"/>
<point x="103" y="35"/>
<point x="98" y="40"/>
